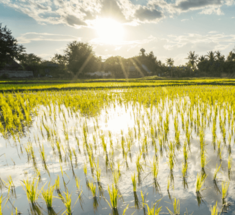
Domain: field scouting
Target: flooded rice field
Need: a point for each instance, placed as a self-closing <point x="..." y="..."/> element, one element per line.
<point x="143" y="151"/>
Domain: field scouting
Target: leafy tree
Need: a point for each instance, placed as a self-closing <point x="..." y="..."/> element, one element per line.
<point x="61" y="60"/>
<point x="9" y="48"/>
<point x="231" y="56"/>
<point x="80" y="57"/>
<point x="29" y="59"/>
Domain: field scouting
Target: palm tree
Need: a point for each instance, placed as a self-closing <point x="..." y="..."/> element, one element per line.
<point x="192" y="59"/>
<point x="170" y="63"/>
<point x="219" y="56"/>
<point x="231" y="56"/>
<point x="201" y="58"/>
<point x="211" y="56"/>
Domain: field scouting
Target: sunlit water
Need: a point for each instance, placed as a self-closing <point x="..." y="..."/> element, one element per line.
<point x="116" y="118"/>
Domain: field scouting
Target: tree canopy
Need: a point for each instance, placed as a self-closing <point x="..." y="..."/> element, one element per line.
<point x="9" y="48"/>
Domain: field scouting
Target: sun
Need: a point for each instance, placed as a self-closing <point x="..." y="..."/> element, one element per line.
<point x="109" y="31"/>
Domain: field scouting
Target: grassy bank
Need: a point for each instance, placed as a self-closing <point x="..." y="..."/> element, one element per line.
<point x="25" y="85"/>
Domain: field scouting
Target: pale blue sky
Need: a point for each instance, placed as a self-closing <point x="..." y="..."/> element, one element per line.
<point x="169" y="28"/>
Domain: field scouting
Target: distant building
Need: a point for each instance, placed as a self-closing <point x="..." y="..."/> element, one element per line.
<point x="15" y="70"/>
<point x="99" y="74"/>
<point x="134" y="70"/>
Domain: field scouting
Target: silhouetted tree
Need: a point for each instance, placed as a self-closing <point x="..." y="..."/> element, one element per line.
<point x="192" y="59"/>
<point x="142" y="51"/>
<point x="9" y="48"/>
<point x="61" y="60"/>
<point x="29" y="59"/>
<point x="80" y="57"/>
<point x="231" y="56"/>
<point x="219" y="56"/>
<point x="211" y="56"/>
<point x="170" y="63"/>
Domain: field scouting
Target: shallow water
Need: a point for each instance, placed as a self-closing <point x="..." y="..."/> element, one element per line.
<point x="116" y="118"/>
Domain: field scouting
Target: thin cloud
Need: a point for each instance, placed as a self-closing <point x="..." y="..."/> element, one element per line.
<point x="76" y="13"/>
<point x="147" y="14"/>
<point x="34" y="36"/>
<point x="196" y="4"/>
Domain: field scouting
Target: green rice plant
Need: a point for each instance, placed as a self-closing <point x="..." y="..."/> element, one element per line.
<point x="184" y="169"/>
<point x="229" y="139"/>
<point x="98" y="174"/>
<point x="31" y="189"/>
<point x="171" y="146"/>
<point x="103" y="143"/>
<point x="185" y="152"/>
<point x="67" y="202"/>
<point x="199" y="182"/>
<point x="218" y="144"/>
<point x="43" y="156"/>
<point x="113" y="195"/>
<point x="92" y="187"/>
<point x="176" y="207"/>
<point x="155" y="169"/>
<point x="124" y="211"/>
<point x="118" y="168"/>
<point x="59" y="150"/>
<point x="1" y="200"/>
<point x="225" y="186"/>
<point x="168" y="184"/>
<point x="133" y="179"/>
<point x="203" y="159"/>
<point x="229" y="163"/>
<point x="216" y="171"/>
<point x="143" y="198"/>
<point x="116" y="177"/>
<point x="171" y="160"/>
<point x="85" y="169"/>
<point x="47" y="195"/>
<point x="202" y="142"/>
<point x="77" y="183"/>
<point x="160" y="140"/>
<point x="153" y="211"/>
<point x="214" y="210"/>
<point x="10" y="185"/>
<point x="57" y="182"/>
<point x="139" y="167"/>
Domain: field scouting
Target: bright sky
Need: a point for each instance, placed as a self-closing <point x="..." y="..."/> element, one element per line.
<point x="169" y="28"/>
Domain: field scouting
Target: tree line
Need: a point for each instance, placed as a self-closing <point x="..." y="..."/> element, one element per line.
<point x="79" y="58"/>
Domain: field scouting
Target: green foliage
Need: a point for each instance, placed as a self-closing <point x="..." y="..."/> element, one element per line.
<point x="199" y="182"/>
<point x="113" y="195"/>
<point x="9" y="46"/>
<point x="47" y="195"/>
<point x="31" y="190"/>
<point x="176" y="207"/>
<point x="133" y="179"/>
<point x="225" y="186"/>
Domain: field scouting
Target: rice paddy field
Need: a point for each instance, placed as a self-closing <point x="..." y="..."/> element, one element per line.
<point x="142" y="150"/>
